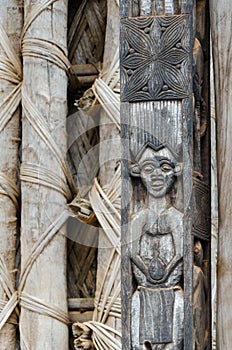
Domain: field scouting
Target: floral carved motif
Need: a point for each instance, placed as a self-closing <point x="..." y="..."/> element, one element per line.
<point x="155" y="58"/>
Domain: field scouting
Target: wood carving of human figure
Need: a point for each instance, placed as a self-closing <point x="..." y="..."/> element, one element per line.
<point x="157" y="314"/>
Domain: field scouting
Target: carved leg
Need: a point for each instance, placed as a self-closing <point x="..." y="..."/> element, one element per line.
<point x="135" y="325"/>
<point x="178" y="323"/>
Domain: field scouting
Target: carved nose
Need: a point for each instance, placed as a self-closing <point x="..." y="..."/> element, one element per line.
<point x="156" y="171"/>
<point x="157" y="176"/>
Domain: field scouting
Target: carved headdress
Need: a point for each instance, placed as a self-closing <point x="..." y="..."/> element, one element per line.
<point x="149" y="151"/>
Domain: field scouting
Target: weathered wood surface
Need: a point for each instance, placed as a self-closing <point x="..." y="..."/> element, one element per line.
<point x="45" y="85"/>
<point x="11" y="21"/>
<point x="82" y="256"/>
<point x="86" y="31"/>
<point x="81" y="304"/>
<point x="82" y="243"/>
<point x="85" y="69"/>
<point x="83" y="152"/>
<point x="108" y="271"/>
<point x="109" y="147"/>
<point x="221" y="26"/>
<point x="78" y="316"/>
<point x="214" y="206"/>
<point x="80" y="309"/>
<point x="155" y="135"/>
<point x="83" y="75"/>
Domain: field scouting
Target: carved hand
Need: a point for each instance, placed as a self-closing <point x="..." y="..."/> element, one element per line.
<point x="170" y="267"/>
<point x="142" y="267"/>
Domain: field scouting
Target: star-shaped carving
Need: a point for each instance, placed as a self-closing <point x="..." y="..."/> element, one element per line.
<point x="155" y="62"/>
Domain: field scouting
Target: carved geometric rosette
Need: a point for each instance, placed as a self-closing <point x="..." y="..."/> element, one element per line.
<point x="201" y="210"/>
<point x="155" y="56"/>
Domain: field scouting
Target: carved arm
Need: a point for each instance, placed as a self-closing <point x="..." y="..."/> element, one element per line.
<point x="142" y="267"/>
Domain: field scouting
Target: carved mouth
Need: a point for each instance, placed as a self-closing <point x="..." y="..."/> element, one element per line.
<point x="157" y="185"/>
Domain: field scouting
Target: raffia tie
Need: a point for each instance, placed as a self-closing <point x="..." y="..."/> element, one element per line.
<point x="10" y="70"/>
<point x="106" y="89"/>
<point x="49" y="51"/>
<point x="106" y="205"/>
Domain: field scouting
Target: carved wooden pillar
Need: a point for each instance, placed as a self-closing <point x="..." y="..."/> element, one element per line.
<point x="165" y="190"/>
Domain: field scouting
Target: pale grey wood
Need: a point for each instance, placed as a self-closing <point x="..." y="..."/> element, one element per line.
<point x="221" y="26"/>
<point x="214" y="206"/>
<point x="80" y="304"/>
<point x="46" y="86"/>
<point x="109" y="147"/>
<point x="11" y="19"/>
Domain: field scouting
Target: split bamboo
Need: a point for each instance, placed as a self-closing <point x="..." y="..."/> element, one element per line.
<point x="221" y="26"/>
<point x="10" y="30"/>
<point x="44" y="98"/>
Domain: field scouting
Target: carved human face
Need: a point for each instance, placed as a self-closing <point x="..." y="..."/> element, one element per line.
<point x="157" y="174"/>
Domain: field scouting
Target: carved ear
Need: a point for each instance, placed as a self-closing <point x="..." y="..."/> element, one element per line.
<point x="178" y="169"/>
<point x="134" y="170"/>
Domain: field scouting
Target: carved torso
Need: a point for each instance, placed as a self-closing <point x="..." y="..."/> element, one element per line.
<point x="156" y="245"/>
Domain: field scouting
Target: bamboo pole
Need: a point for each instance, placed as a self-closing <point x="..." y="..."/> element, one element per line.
<point x="221" y="26"/>
<point x="11" y="23"/>
<point x="109" y="145"/>
<point x="45" y="90"/>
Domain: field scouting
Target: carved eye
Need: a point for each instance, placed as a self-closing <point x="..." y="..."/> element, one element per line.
<point x="166" y="167"/>
<point x="148" y="168"/>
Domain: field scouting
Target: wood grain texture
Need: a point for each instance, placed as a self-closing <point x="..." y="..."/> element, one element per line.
<point x="11" y="20"/>
<point x="221" y="26"/>
<point x="109" y="135"/>
<point x="77" y="316"/>
<point x="82" y="255"/>
<point x="142" y="127"/>
<point x="46" y="86"/>
<point x="86" y="31"/>
<point x="82" y="304"/>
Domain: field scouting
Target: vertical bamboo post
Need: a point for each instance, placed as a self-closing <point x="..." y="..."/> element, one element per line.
<point x="11" y="25"/>
<point x="45" y="90"/>
<point x="109" y="142"/>
<point x="221" y="26"/>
